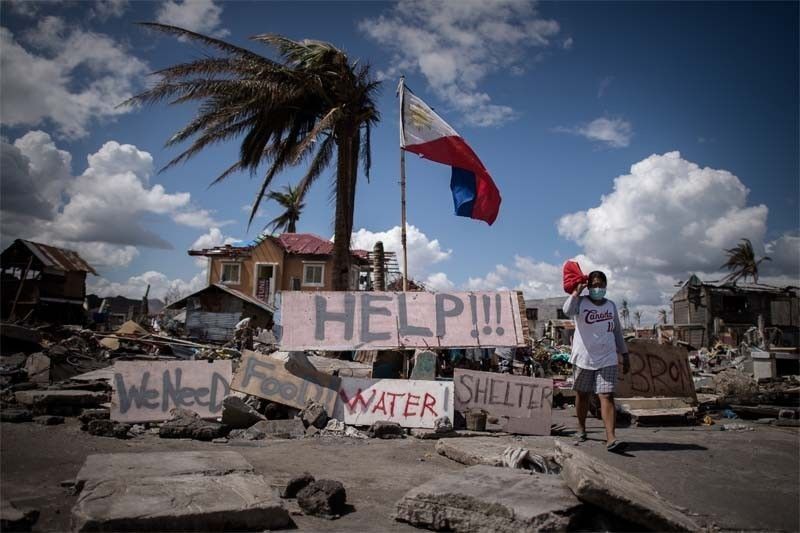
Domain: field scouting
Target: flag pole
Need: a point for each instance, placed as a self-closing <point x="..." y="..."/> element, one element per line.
<point x="400" y="92"/>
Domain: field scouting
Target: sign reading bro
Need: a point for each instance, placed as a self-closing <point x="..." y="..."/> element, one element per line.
<point x="268" y="378"/>
<point x="389" y="320"/>
<point x="656" y="370"/>
<point x="145" y="391"/>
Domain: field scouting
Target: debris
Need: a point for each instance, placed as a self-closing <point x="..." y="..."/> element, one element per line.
<point x="296" y="484"/>
<point x="681" y="416"/>
<point x="131" y="328"/>
<point x="386" y="430"/>
<point x="15" y="415"/>
<point x="38" y="368"/>
<point x="49" y="420"/>
<point x="442" y="425"/>
<point x="13" y="518"/>
<point x="610" y="488"/>
<point x="108" y="428"/>
<point x="284" y="429"/>
<point x="325" y="498"/>
<point x="337" y="428"/>
<point x="93" y="414"/>
<point x="58" y="402"/>
<point x="489" y="450"/>
<point x="731" y="382"/>
<point x="188" y="424"/>
<point x="736" y="427"/>
<point x="485" y="498"/>
<point x="237" y="414"/>
<point x="314" y="415"/>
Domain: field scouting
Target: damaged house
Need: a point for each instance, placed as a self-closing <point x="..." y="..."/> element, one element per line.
<point x="707" y="312"/>
<point x="44" y="282"/>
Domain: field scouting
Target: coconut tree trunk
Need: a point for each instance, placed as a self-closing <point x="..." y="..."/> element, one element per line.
<point x="292" y="227"/>
<point x="343" y="221"/>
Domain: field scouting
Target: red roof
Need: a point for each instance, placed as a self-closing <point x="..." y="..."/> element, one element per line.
<point x="293" y="243"/>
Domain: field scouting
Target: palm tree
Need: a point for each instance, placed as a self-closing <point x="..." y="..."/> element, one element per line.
<point x="625" y="313"/>
<point x="292" y="204"/>
<point x="742" y="262"/>
<point x="313" y="104"/>
<point x="637" y="316"/>
<point x="662" y="316"/>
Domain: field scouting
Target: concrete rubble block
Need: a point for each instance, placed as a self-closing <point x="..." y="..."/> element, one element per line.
<point x="296" y="484"/>
<point x="325" y="497"/>
<point x="731" y="382"/>
<point x="13" y="518"/>
<point x="386" y="430"/>
<point x="108" y="428"/>
<point x="485" y="498"/>
<point x="598" y="483"/>
<point x="284" y="429"/>
<point x="489" y="450"/>
<point x="60" y="402"/>
<point x="87" y="415"/>
<point x="38" y="368"/>
<point x="168" y="464"/>
<point x="186" y="424"/>
<point x="238" y="415"/>
<point x="314" y="415"/>
<point x="15" y="415"/>
<point x="49" y="420"/>
<point x="197" y="502"/>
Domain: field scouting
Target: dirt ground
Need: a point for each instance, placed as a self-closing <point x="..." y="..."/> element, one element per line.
<point x="734" y="480"/>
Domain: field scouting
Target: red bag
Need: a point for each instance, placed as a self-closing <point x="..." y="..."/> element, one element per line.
<point x="573" y="276"/>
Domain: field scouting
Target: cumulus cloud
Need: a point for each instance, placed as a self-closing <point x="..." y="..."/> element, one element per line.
<point x="456" y="45"/>
<point x="438" y="281"/>
<point x="135" y="286"/>
<point x="67" y="76"/>
<point x="98" y="213"/>
<point x="108" y="9"/>
<point x="613" y="132"/>
<point x="423" y="252"/>
<point x="202" y="16"/>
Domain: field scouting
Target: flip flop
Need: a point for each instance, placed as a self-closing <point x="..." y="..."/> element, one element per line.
<point x="582" y="437"/>
<point x="616" y="447"/>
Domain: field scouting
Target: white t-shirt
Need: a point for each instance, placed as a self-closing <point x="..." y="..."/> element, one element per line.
<point x="598" y="333"/>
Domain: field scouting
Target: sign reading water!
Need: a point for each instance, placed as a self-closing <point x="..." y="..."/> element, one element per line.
<point x="145" y="391"/>
<point x="386" y="320"/>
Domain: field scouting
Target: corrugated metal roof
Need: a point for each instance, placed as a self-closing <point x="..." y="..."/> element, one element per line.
<point x="180" y="304"/>
<point x="59" y="258"/>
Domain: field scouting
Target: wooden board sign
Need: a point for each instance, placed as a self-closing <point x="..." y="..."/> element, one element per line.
<point x="146" y="391"/>
<point x="286" y="383"/>
<point x="387" y="320"/>
<point x="410" y="403"/>
<point x="656" y="370"/>
<point x="523" y="404"/>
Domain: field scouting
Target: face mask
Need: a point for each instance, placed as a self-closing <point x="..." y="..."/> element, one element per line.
<point x="597" y="293"/>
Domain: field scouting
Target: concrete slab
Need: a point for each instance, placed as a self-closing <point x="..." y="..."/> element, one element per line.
<point x="190" y="503"/>
<point x="670" y="402"/>
<point x="484" y="498"/>
<point x="432" y="434"/>
<point x="139" y="465"/>
<point x="489" y="450"/>
<point x="617" y="491"/>
<point x="45" y="401"/>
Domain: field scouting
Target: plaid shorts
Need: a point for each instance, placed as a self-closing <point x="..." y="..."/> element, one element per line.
<point x="600" y="381"/>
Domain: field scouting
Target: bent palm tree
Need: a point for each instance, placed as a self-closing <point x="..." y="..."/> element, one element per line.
<point x="742" y="262"/>
<point x="625" y="314"/>
<point x="313" y="104"/>
<point x="637" y="316"/>
<point x="292" y="204"/>
<point x="662" y="316"/>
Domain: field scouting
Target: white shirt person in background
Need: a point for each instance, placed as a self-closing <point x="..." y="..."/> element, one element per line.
<point x="597" y="341"/>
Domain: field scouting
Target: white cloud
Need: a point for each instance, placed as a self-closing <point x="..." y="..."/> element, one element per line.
<point x="98" y="213"/>
<point x="202" y="16"/>
<point x="135" y="286"/>
<point x="24" y="8"/>
<point x="107" y="9"/>
<point x="438" y="281"/>
<point x="568" y="43"/>
<point x="456" y="45"/>
<point x="605" y="83"/>
<point x="199" y="218"/>
<point x="72" y="78"/>
<point x="423" y="252"/>
<point x="213" y="238"/>
<point x="614" y="132"/>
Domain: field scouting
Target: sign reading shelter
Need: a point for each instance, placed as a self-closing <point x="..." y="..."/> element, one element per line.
<point x="286" y="383"/>
<point x="145" y="391"/>
<point x="656" y="370"/>
<point x="387" y="320"/>
<point x="410" y="403"/>
<point x="523" y="404"/>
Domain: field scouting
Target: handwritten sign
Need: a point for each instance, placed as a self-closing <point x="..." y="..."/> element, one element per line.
<point x="290" y="383"/>
<point x="410" y="403"/>
<point x="656" y="370"/>
<point x="145" y="391"/>
<point x="523" y="404"/>
<point x="386" y="320"/>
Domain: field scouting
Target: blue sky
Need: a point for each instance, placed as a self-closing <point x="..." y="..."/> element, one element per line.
<point x="641" y="138"/>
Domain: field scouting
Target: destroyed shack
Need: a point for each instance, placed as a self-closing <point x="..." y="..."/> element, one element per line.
<point x="212" y="313"/>
<point x="43" y="282"/>
<point x="709" y="312"/>
<point x="111" y="312"/>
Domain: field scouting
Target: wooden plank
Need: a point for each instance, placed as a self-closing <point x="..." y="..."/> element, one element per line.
<point x="388" y="320"/>
<point x="656" y="370"/>
<point x="286" y="383"/>
<point x="410" y="403"/>
<point x="524" y="404"/>
<point x="145" y="391"/>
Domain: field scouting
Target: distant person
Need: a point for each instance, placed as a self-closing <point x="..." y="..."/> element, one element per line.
<point x="597" y="341"/>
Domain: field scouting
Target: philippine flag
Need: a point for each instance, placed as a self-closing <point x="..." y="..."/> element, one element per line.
<point x="425" y="133"/>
